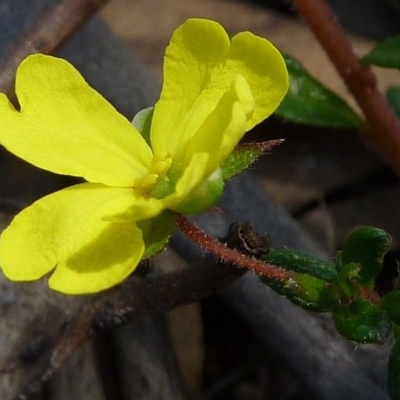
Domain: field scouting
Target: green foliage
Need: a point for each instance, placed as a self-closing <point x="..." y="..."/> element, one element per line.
<point x="362" y="322"/>
<point x="298" y="261"/>
<point x="345" y="289"/>
<point x="309" y="102"/>
<point x="362" y="256"/>
<point x="309" y="287"/>
<point x="311" y="293"/>
<point x="385" y="54"/>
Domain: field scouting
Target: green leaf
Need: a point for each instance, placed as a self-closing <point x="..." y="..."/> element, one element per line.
<point x="306" y="291"/>
<point x="391" y="304"/>
<point x="297" y="261"/>
<point x="393" y="98"/>
<point x="363" y="322"/>
<point x="394" y="372"/>
<point x="364" y="251"/>
<point x="309" y="102"/>
<point x="385" y="54"/>
<point x="244" y="156"/>
<point x="157" y="232"/>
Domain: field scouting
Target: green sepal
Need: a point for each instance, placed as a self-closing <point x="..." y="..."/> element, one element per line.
<point x="157" y="232"/>
<point x="364" y="252"/>
<point x="363" y="322"/>
<point x="394" y="371"/>
<point x="393" y="98"/>
<point x="385" y="54"/>
<point x="309" y="102"/>
<point x="297" y="261"/>
<point x="391" y="304"/>
<point x="142" y="122"/>
<point x="244" y="156"/>
<point x="306" y="291"/>
<point x="204" y="196"/>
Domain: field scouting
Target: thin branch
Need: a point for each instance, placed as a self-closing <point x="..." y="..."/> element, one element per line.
<point x="230" y="255"/>
<point x="360" y="80"/>
<point x="53" y="26"/>
<point x="136" y="298"/>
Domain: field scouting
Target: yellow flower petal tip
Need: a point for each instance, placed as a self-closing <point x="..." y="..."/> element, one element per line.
<point x="91" y="236"/>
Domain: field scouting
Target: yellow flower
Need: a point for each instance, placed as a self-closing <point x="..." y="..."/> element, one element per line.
<point x="92" y="235"/>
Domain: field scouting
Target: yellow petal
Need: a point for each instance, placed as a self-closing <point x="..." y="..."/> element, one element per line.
<point x="197" y="51"/>
<point x="264" y="68"/>
<point x="65" y="227"/>
<point x="66" y="127"/>
<point x="224" y="127"/>
<point x="102" y="264"/>
<point x="200" y="66"/>
<point x="193" y="175"/>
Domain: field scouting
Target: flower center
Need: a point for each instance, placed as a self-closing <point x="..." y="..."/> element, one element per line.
<point x="160" y="165"/>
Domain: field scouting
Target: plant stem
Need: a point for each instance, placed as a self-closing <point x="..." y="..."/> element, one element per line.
<point x="384" y="132"/>
<point x="46" y="33"/>
<point x="224" y="253"/>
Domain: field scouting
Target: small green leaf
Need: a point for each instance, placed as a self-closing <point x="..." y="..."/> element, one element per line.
<point x="244" y="156"/>
<point x="309" y="102"/>
<point x="363" y="322"/>
<point x="391" y="304"/>
<point x="311" y="293"/>
<point x="385" y="54"/>
<point x="157" y="232"/>
<point x="393" y="98"/>
<point x="306" y="291"/>
<point x="394" y="372"/>
<point x="364" y="250"/>
<point x="297" y="261"/>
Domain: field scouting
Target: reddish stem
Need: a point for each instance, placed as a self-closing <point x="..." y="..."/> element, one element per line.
<point x="360" y="80"/>
<point x="225" y="253"/>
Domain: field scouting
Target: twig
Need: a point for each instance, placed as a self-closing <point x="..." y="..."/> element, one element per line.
<point x="360" y="80"/>
<point x="45" y="34"/>
<point x="136" y="298"/>
<point x="227" y="254"/>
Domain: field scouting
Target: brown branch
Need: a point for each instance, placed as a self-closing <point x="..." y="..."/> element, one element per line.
<point x="45" y="34"/>
<point x="224" y="253"/>
<point x="360" y="80"/>
<point x="136" y="298"/>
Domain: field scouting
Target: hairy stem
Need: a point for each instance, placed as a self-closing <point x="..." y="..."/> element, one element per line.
<point x="224" y="253"/>
<point x="384" y="132"/>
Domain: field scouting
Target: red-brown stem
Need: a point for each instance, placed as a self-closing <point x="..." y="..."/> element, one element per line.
<point x="360" y="80"/>
<point x="45" y="34"/>
<point x="225" y="253"/>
